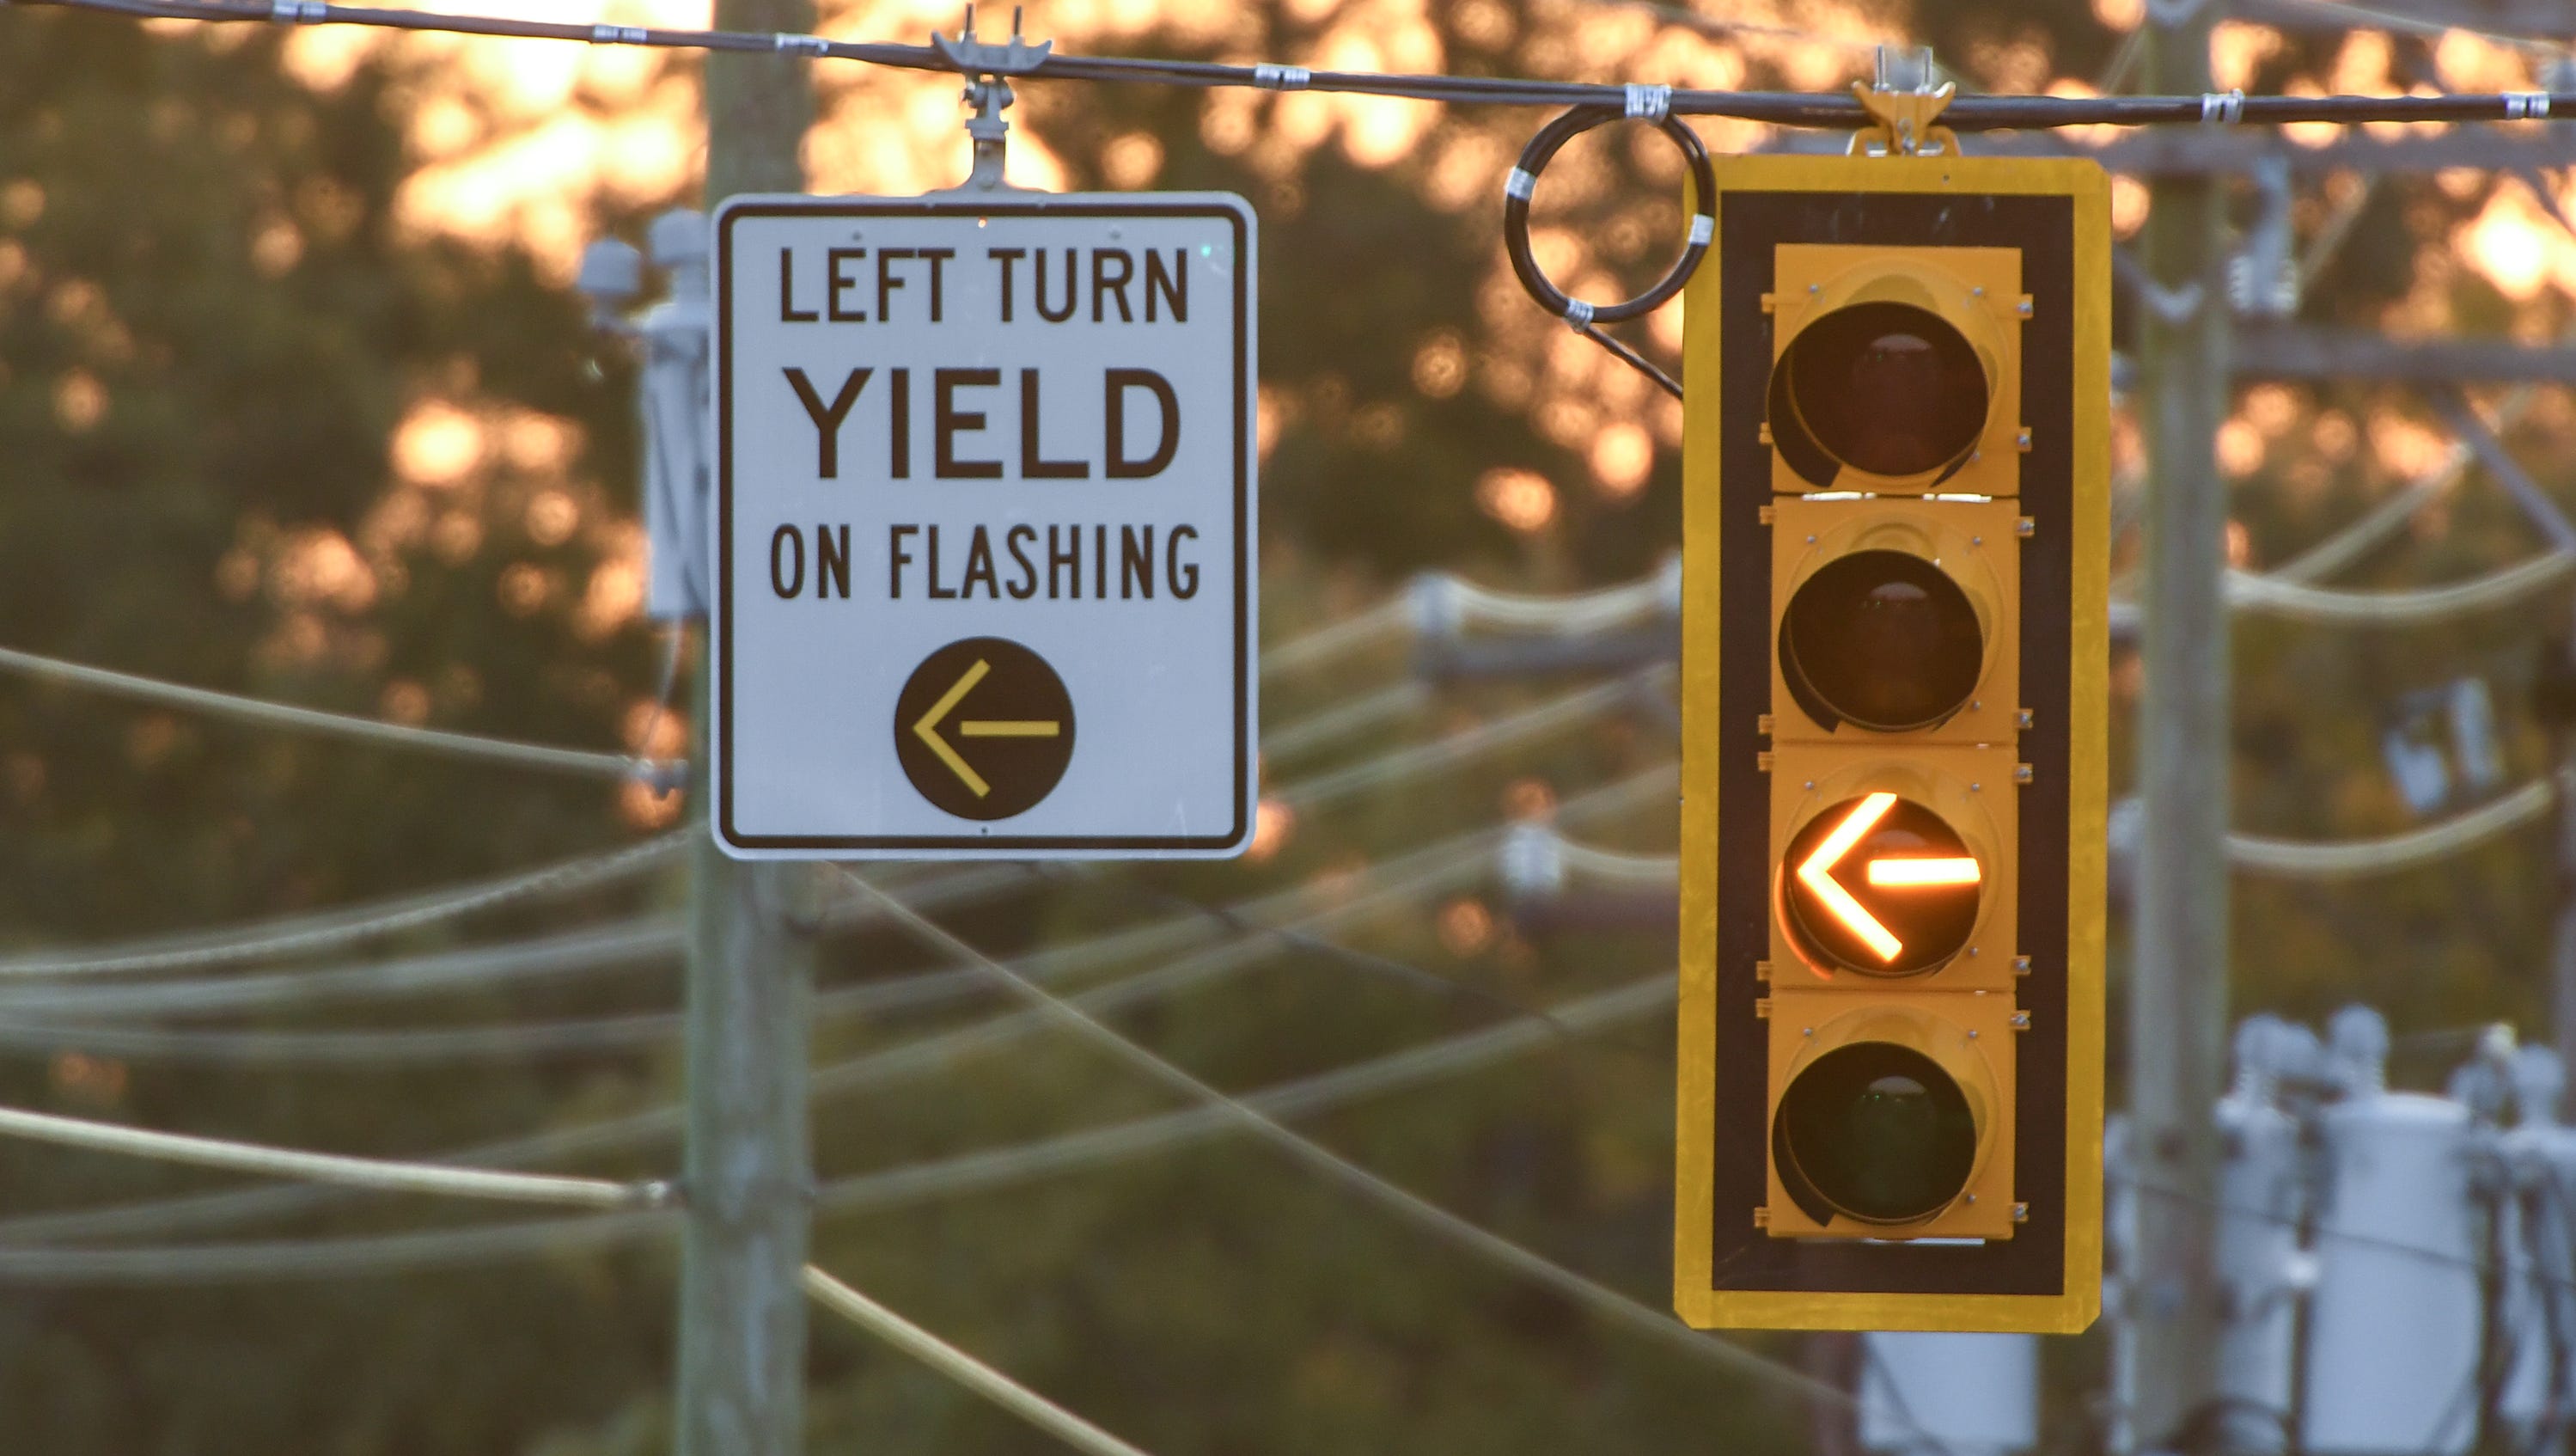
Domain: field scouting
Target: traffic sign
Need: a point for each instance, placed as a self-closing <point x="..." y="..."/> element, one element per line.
<point x="983" y="534"/>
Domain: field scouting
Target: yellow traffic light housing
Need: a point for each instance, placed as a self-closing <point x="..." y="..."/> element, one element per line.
<point x="1893" y="765"/>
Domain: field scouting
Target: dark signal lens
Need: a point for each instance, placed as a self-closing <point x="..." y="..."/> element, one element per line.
<point x="1882" y="387"/>
<point x="1884" y="639"/>
<point x="1877" y="1132"/>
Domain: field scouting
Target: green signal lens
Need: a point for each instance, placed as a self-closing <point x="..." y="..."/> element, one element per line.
<point x="1884" y="639"/>
<point x="1876" y="1132"/>
<point x="1884" y="387"/>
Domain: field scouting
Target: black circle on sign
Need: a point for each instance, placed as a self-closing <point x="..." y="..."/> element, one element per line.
<point x="983" y="728"/>
<point x="1924" y="923"/>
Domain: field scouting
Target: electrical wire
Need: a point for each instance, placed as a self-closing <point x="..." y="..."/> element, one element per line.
<point x="1411" y="1206"/>
<point x="277" y="938"/>
<point x="1426" y="869"/>
<point x="1827" y="110"/>
<point x="1420" y="872"/>
<point x="663" y="773"/>
<point x="1385" y="967"/>
<point x="1552" y="716"/>
<point x="1344" y="720"/>
<point x="961" y="1367"/>
<point x="1335" y="641"/>
<point x="594" y="1034"/>
<point x="2395" y="851"/>
<point x="377" y="1174"/>
<point x="622" y="945"/>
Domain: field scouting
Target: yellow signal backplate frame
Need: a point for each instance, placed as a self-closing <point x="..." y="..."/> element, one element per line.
<point x="1972" y="787"/>
<point x="1811" y="281"/>
<point x="1777" y="196"/>
<point x="1807" y="532"/>
<point x="1986" y="1207"/>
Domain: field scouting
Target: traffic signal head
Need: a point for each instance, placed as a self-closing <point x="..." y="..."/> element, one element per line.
<point x="1894" y="652"/>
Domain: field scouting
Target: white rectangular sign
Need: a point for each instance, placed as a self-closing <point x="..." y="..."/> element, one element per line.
<point x="983" y="537"/>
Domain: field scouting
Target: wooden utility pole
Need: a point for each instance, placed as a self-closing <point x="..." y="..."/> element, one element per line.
<point x="751" y="954"/>
<point x="2178" y="976"/>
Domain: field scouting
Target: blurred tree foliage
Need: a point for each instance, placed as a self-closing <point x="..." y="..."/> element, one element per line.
<point x="260" y="435"/>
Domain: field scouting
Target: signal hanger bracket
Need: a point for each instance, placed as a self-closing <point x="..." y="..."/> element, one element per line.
<point x="987" y="68"/>
<point x="1903" y="104"/>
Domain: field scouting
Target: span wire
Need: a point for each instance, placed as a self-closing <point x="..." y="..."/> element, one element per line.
<point x="1832" y="110"/>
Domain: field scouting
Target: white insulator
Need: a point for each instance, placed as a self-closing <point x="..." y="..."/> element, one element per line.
<point x="2260" y="1265"/>
<point x="1948" y="1394"/>
<point x="2393" y="1331"/>
<point x="1532" y="862"/>
<point x="1438" y="606"/>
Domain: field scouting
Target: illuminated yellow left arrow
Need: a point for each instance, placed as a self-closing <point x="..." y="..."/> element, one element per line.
<point x="1894" y="873"/>
<point x="1817" y="874"/>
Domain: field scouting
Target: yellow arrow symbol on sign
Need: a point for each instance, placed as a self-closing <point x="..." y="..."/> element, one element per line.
<point x="927" y="729"/>
<point x="1817" y="874"/>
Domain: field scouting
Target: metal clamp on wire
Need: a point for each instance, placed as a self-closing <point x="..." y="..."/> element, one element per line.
<point x="2526" y="105"/>
<point x="2222" y="108"/>
<point x="298" y="12"/>
<point x="1644" y="103"/>
<point x="985" y="67"/>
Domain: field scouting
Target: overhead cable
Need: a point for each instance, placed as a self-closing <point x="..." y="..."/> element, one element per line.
<point x="2413" y="847"/>
<point x="380" y="1174"/>
<point x="1782" y="108"/>
<point x="1411" y="1206"/>
<point x="1551" y="716"/>
<point x="961" y="1367"/>
<point x="664" y="773"/>
<point x="626" y="943"/>
<point x="1456" y="860"/>
<point x="900" y="1186"/>
<point x="302" y="934"/>
<point x="30" y="1030"/>
<point x="1345" y="720"/>
<point x="1336" y="640"/>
